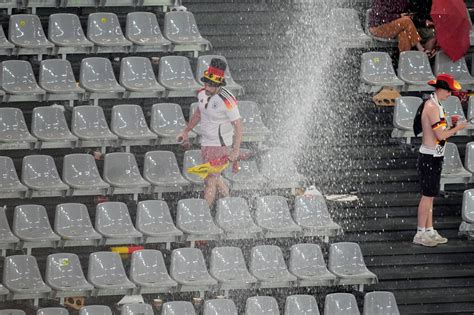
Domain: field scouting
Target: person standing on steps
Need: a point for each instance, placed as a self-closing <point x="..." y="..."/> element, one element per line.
<point x="431" y="120"/>
<point x="221" y="126"/>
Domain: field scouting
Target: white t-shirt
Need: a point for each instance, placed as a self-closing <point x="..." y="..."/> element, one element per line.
<point x="217" y="113"/>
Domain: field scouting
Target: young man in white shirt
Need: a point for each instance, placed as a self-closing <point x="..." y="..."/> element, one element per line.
<point x="221" y="126"/>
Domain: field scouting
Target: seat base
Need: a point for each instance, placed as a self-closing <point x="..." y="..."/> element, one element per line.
<point x="200" y="237"/>
<point x="33" y="51"/>
<point x="46" y="193"/>
<point x="158" y="93"/>
<point x="87" y="192"/>
<point x="73" y="243"/>
<point x="149" y="290"/>
<point x="71" y="293"/>
<point x="277" y="284"/>
<point x="66" y="50"/>
<point x="119" y="241"/>
<point x="242" y="235"/>
<point x="18" y="145"/>
<point x="181" y="93"/>
<point x="149" y="48"/>
<point x="23" y="98"/>
<point x="282" y="234"/>
<point x="55" y="144"/>
<point x="103" y="292"/>
<point x="96" y="143"/>
<point x="317" y="282"/>
<point x="110" y="49"/>
<point x="13" y="194"/>
<point x="195" y="48"/>
<point x="161" y="239"/>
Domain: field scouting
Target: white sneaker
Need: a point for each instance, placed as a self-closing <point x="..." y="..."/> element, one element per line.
<point x="422" y="238"/>
<point x="434" y="235"/>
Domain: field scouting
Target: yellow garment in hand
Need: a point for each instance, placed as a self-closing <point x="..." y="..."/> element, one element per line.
<point x="203" y="170"/>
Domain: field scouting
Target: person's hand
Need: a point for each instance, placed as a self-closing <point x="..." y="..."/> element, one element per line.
<point x="234" y="155"/>
<point x="429" y="23"/>
<point x="461" y="124"/>
<point x="182" y="137"/>
<point x="410" y="15"/>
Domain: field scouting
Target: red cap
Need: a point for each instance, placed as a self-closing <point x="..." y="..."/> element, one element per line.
<point x="446" y="82"/>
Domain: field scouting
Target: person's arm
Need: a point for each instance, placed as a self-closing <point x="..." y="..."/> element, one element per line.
<point x="441" y="132"/>
<point x="191" y="124"/>
<point x="237" y="139"/>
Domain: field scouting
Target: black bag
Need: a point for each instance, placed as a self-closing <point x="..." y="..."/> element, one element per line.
<point x="417" y="127"/>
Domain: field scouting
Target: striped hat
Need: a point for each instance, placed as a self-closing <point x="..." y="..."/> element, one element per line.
<point x="214" y="75"/>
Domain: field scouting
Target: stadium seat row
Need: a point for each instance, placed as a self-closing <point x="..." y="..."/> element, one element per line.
<point x="376" y="302"/>
<point x="113" y="224"/>
<point x="148" y="273"/>
<point x="104" y="34"/>
<point x="414" y="71"/>
<point x="467" y="225"/>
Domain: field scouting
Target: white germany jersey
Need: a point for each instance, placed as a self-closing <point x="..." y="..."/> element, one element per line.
<point x="217" y="113"/>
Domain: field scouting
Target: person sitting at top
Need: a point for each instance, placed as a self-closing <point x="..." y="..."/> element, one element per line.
<point x="424" y="24"/>
<point x="391" y="19"/>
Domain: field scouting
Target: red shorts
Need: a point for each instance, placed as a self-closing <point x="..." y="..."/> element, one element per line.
<point x="213" y="153"/>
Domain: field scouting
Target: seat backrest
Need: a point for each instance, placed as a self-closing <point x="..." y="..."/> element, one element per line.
<point x="278" y="162"/>
<point x="376" y="65"/>
<point x="8" y="175"/>
<point x="65" y="28"/>
<point x="17" y="76"/>
<point x="30" y="219"/>
<point x="228" y="262"/>
<point x="52" y="311"/>
<point x="95" y="310"/>
<point x="261" y="305"/>
<point x="233" y="209"/>
<point x="106" y="268"/>
<point x="13" y="124"/>
<point x="96" y="70"/>
<point x="71" y="216"/>
<point x="175" y="70"/>
<point x="178" y="307"/>
<point x="307" y="257"/>
<point x="153" y="213"/>
<point x="161" y="165"/>
<point x="267" y="258"/>
<point x="345" y="22"/>
<point x="64" y="270"/>
<point x="468" y="206"/>
<point x="87" y="118"/>
<point x="341" y="303"/>
<point x="272" y="209"/>
<point x="346" y="257"/>
<point x="301" y="305"/>
<point x="39" y="168"/>
<point x="137" y="309"/>
<point x="414" y="65"/>
<point x="56" y="74"/>
<point x="444" y="64"/>
<point x="137" y="71"/>
<point x="452" y="161"/>
<point x="469" y="157"/>
<point x="113" y="216"/>
<point x="405" y="111"/>
<point x="220" y="307"/>
<point x="128" y="118"/>
<point x="187" y="263"/>
<point x="12" y="312"/>
<point x="191" y="158"/>
<point x="167" y="118"/>
<point x="192" y="211"/>
<point x="148" y="265"/>
<point x="5" y="230"/>
<point x="452" y="106"/>
<point x="25" y="28"/>
<point x="80" y="169"/>
<point x="47" y="119"/>
<point x="251" y="115"/>
<point x="311" y="210"/>
<point x="142" y="25"/>
<point x="180" y="25"/>
<point x="21" y="272"/>
<point x="121" y="167"/>
<point x="203" y="64"/>
<point x="103" y="25"/>
<point x="380" y="302"/>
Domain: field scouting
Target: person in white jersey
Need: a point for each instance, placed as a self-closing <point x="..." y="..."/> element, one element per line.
<point x="221" y="126"/>
<point x="431" y="119"/>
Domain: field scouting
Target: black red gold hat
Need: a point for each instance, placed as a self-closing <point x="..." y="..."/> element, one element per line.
<point x="214" y="75"/>
<point x="446" y="82"/>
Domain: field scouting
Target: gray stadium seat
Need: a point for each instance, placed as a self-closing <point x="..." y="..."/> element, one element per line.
<point x="25" y="31"/>
<point x="458" y="69"/>
<point x="268" y="266"/>
<point x="377" y="70"/>
<point x="12" y="312"/>
<point x="340" y="304"/>
<point x="40" y="175"/>
<point x="137" y="76"/>
<point x="254" y="129"/>
<point x="65" y="31"/>
<point x="162" y="171"/>
<point x="261" y="305"/>
<point x="195" y="220"/>
<point x="414" y="68"/>
<point x="19" y="82"/>
<point x="143" y="30"/>
<point x="113" y="221"/>
<point x="203" y="63"/>
<point x="137" y="309"/>
<point x="31" y="225"/>
<point x="311" y="213"/>
<point x="7" y="239"/>
<point x="81" y="174"/>
<point x="107" y="275"/>
<point x="95" y="310"/>
<point x="167" y="121"/>
<point x="278" y="167"/>
<point x="103" y="29"/>
<point x="233" y="216"/>
<point x="52" y="311"/>
<point x="469" y="157"/>
<point x="64" y="275"/>
<point x="188" y="268"/>
<point x="381" y="303"/>
<point x="122" y="173"/>
<point x="73" y="224"/>
<point x="229" y="269"/>
<point x="301" y="305"/>
<point x="308" y="265"/>
<point x="178" y="307"/>
<point x="220" y="307"/>
<point x="467" y="225"/>
<point x="153" y="219"/>
<point x="345" y="22"/>
<point x="247" y="178"/>
<point x="148" y="272"/>
<point x="128" y="122"/>
<point x="22" y="277"/>
<point x="10" y="185"/>
<point x="57" y="79"/>
<point x="347" y="263"/>
<point x="50" y="127"/>
<point x="403" y="116"/>
<point x="192" y="158"/>
<point x="272" y="214"/>
<point x="453" y="171"/>
<point x="175" y="75"/>
<point x="91" y="127"/>
<point x="5" y="45"/>
<point x="181" y="29"/>
<point x="13" y="130"/>
<point x="98" y="79"/>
